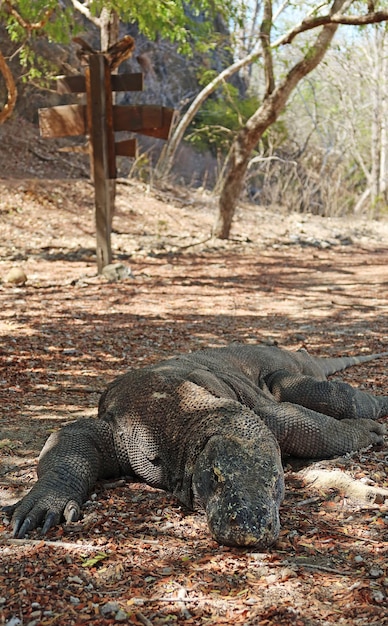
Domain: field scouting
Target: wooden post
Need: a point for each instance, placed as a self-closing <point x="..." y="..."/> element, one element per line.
<point x="99" y="119"/>
<point x="101" y="137"/>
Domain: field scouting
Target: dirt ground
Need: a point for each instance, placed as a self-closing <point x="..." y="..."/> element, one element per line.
<point x="137" y="556"/>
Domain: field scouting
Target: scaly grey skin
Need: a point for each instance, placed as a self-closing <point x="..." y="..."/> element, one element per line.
<point x="240" y="510"/>
<point x="209" y="427"/>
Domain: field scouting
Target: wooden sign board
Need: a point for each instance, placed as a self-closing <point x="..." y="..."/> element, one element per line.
<point x="70" y="119"/>
<point x="119" y="82"/>
<point x="127" y="148"/>
<point x="137" y="118"/>
<point x="71" y="84"/>
<point x="163" y="131"/>
<point x="63" y="121"/>
<point x="145" y="119"/>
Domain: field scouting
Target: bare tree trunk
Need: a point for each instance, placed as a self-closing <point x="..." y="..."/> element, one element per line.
<point x="358" y="207"/>
<point x="376" y="123"/>
<point x="109" y="28"/>
<point x="266" y="115"/>
<point x="384" y="125"/>
<point x="11" y="90"/>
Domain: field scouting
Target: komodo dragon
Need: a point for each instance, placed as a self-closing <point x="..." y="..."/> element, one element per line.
<point x="209" y="427"/>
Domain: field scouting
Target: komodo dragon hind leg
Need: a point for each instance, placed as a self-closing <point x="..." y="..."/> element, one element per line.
<point x="337" y="399"/>
<point x="305" y="433"/>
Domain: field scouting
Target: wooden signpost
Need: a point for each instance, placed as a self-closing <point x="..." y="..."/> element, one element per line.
<point x="99" y="119"/>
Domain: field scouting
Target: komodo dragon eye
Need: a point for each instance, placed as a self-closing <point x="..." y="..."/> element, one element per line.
<point x="218" y="475"/>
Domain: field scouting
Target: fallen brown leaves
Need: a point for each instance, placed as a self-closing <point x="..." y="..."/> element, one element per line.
<point x="136" y="556"/>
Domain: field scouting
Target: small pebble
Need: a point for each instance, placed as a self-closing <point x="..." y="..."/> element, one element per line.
<point x="14" y="621"/>
<point x="36" y="615"/>
<point x="121" y="616"/>
<point x="74" y="600"/>
<point x="116" y="271"/>
<point x="75" y="579"/>
<point x="16" y="276"/>
<point x="375" y="572"/>
<point x="109" y="608"/>
<point x="378" y="596"/>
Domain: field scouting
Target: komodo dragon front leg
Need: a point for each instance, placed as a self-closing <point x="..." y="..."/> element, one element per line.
<point x="69" y="465"/>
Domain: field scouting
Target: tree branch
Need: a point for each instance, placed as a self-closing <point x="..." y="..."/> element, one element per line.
<point x="11" y="89"/>
<point x="83" y="8"/>
<point x="166" y="159"/>
<point x="23" y="23"/>
<point x="350" y="20"/>
<point x="265" y="38"/>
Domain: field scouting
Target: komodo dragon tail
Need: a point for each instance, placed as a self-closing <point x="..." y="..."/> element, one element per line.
<point x="331" y="365"/>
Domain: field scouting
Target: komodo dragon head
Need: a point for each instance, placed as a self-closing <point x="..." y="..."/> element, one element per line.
<point x="240" y="490"/>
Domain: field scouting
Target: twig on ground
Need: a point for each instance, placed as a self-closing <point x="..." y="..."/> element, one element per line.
<point x="67" y="545"/>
